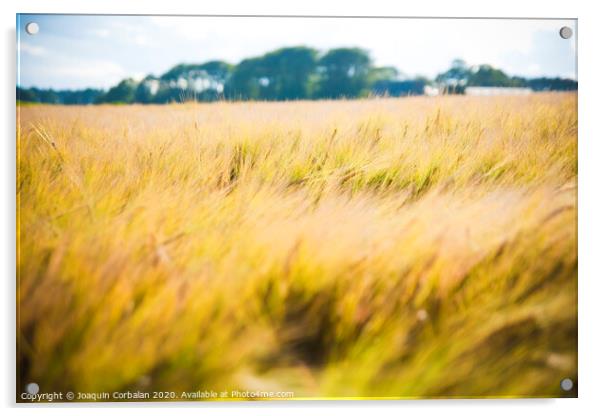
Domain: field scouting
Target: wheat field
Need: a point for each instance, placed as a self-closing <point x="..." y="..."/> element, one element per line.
<point x="376" y="248"/>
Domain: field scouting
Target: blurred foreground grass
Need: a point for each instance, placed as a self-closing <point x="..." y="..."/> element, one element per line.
<point x="374" y="248"/>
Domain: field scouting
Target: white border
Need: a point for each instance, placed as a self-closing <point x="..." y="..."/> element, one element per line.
<point x="590" y="206"/>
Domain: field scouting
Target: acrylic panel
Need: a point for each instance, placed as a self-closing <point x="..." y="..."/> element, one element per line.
<point x="289" y="208"/>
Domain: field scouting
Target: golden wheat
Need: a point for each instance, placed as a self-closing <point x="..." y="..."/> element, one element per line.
<point x="371" y="248"/>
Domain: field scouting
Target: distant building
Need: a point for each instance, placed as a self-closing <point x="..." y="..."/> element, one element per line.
<point x="431" y="91"/>
<point x="497" y="91"/>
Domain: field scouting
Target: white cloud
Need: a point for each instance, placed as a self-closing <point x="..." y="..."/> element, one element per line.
<point x="90" y="68"/>
<point x="100" y="33"/>
<point x="99" y="73"/>
<point x="533" y="69"/>
<point x="189" y="28"/>
<point x="138" y="76"/>
<point x="32" y="49"/>
<point x="132" y="32"/>
<point x="141" y="40"/>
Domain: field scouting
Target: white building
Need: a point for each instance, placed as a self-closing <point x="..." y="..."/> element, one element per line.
<point x="497" y="91"/>
<point x="431" y="91"/>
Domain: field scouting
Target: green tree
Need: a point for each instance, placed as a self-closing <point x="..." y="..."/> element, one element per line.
<point x="27" y="95"/>
<point x="288" y="71"/>
<point x="124" y="92"/>
<point x="214" y="75"/>
<point x="47" y="96"/>
<point x="167" y="94"/>
<point x="455" y="78"/>
<point x="380" y="74"/>
<point x="552" y="84"/>
<point x="488" y="76"/>
<point x="283" y="74"/>
<point x="144" y="93"/>
<point x="217" y="70"/>
<point x="247" y="80"/>
<point x="344" y="73"/>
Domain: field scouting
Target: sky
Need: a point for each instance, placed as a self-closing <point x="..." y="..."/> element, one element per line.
<point x="80" y="51"/>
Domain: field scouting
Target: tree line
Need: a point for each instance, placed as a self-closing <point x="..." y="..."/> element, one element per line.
<point x="294" y="73"/>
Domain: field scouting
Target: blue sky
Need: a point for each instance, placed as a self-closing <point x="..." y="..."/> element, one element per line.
<point x="76" y="51"/>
